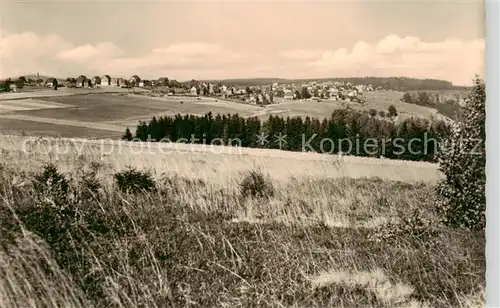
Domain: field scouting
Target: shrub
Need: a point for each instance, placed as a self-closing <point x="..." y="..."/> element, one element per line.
<point x="392" y="111"/>
<point x="51" y="183"/>
<point x="127" y="135"/>
<point x="381" y="113"/>
<point x="462" y="200"/>
<point x="255" y="184"/>
<point x="133" y="181"/>
<point x="417" y="226"/>
<point x="373" y="112"/>
<point x="89" y="184"/>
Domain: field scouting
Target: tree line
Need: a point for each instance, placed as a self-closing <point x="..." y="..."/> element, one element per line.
<point x="347" y="131"/>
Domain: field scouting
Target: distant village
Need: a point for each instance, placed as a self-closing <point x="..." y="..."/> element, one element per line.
<point x="259" y="95"/>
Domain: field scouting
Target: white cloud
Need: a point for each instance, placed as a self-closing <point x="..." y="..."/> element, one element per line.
<point x="16" y="45"/>
<point x="301" y="54"/>
<point x="28" y="52"/>
<point x="190" y="49"/>
<point x="452" y="59"/>
<point x="86" y="52"/>
<point x="177" y="58"/>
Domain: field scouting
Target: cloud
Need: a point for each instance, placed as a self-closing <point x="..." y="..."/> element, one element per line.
<point x="451" y="59"/>
<point x="301" y="54"/>
<point x="28" y="52"/>
<point x="86" y="52"/>
<point x="177" y="58"/>
<point x="190" y="49"/>
<point x="15" y="45"/>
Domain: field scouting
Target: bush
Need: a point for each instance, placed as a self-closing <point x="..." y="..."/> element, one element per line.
<point x="373" y="112"/>
<point x="127" y="135"/>
<point x="133" y="181"/>
<point x="256" y="185"/>
<point x="89" y="184"/>
<point x="381" y="113"/>
<point x="50" y="183"/>
<point x="392" y="111"/>
<point x="416" y="226"/>
<point x="462" y="200"/>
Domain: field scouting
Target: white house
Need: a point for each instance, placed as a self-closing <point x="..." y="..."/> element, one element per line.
<point x="105" y="81"/>
<point x="193" y="91"/>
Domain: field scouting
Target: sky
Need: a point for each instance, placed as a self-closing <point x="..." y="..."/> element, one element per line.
<point x="235" y="39"/>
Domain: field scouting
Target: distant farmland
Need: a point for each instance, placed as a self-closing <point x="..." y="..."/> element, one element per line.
<point x="86" y="113"/>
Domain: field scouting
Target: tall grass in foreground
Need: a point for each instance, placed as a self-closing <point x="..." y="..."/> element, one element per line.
<point x="188" y="243"/>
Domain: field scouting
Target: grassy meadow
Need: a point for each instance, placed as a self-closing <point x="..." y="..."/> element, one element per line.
<point x="101" y="112"/>
<point x="225" y="227"/>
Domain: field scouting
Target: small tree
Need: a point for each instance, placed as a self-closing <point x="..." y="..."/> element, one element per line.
<point x="407" y="98"/>
<point x="256" y="185"/>
<point x="461" y="195"/>
<point x="127" y="135"/>
<point x="392" y="111"/>
<point x="305" y="93"/>
<point x="134" y="181"/>
<point x="373" y="112"/>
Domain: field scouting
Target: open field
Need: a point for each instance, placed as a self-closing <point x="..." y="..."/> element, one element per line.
<point x="327" y="233"/>
<point x="98" y="109"/>
<point x="46" y="92"/>
<point x="381" y="100"/>
<point x="206" y="161"/>
<point x="42" y="127"/>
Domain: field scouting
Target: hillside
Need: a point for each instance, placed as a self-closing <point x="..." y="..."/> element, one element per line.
<point x="260" y="228"/>
<point x="387" y="83"/>
<point x="98" y="112"/>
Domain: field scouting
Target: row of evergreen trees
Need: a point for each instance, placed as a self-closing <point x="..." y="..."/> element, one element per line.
<point x="349" y="131"/>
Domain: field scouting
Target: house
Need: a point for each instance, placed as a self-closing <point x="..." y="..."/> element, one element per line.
<point x="105" y="81"/>
<point x="70" y="82"/>
<point x="163" y="81"/>
<point x="13" y="87"/>
<point x="51" y="82"/>
<point x="122" y="82"/>
<point x="193" y="91"/>
<point x="115" y="82"/>
<point x="251" y="100"/>
<point x="134" y="80"/>
<point x="145" y="83"/>
<point x="96" y="80"/>
<point x="82" y="82"/>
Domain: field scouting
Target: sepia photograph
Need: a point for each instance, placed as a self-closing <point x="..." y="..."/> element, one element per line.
<point x="243" y="154"/>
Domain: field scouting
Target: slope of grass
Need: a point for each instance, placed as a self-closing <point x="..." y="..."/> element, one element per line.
<point x="218" y="164"/>
<point x="190" y="243"/>
<point x="197" y="240"/>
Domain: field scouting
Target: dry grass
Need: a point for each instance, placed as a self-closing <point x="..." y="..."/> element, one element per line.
<point x="219" y="165"/>
<point x="196" y="242"/>
<point x="30" y="277"/>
